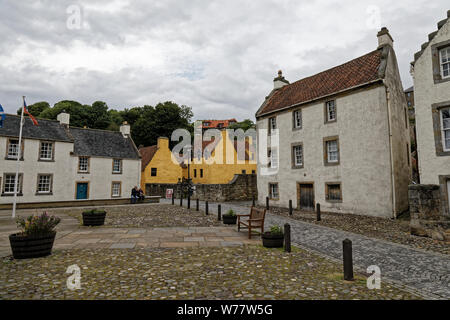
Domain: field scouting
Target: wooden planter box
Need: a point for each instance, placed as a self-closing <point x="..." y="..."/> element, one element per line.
<point x="272" y="240"/>
<point x="229" y="219"/>
<point x="25" y="247"/>
<point x="94" y="219"/>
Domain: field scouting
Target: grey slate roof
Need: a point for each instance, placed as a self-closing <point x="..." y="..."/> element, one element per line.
<point x="47" y="129"/>
<point x="87" y="142"/>
<point x="102" y="143"/>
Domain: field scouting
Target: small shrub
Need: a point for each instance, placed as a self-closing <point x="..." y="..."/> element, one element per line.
<point x="276" y="230"/>
<point x="230" y="213"/>
<point x="37" y="225"/>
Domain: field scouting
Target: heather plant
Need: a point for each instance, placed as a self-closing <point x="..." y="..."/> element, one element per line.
<point x="37" y="225"/>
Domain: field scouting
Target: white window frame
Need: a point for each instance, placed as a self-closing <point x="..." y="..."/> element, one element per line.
<point x="296" y="148"/>
<point x="7" y="181"/>
<point x="272" y="188"/>
<point x="443" y="130"/>
<point x="114" y="165"/>
<point x="40" y="183"/>
<point x="272" y="124"/>
<point x="48" y="150"/>
<point x="273" y="156"/>
<point x="17" y="151"/>
<point x="328" y="105"/>
<point x="329" y="151"/>
<point x="116" y="189"/>
<point x="442" y="63"/>
<point x="79" y="164"/>
<point x="298" y="121"/>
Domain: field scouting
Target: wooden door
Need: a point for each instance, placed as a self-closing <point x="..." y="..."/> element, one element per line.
<point x="82" y="191"/>
<point x="306" y="196"/>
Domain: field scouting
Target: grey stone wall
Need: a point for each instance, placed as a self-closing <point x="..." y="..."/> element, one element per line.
<point x="242" y="187"/>
<point x="427" y="218"/>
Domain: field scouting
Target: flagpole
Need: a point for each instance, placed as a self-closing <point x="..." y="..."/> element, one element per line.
<point x="16" y="181"/>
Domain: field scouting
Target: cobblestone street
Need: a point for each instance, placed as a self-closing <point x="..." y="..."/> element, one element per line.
<point x="419" y="269"/>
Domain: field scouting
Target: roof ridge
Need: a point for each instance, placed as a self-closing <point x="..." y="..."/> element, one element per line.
<point x="332" y="68"/>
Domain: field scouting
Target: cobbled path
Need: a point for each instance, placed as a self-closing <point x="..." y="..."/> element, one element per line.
<point x="424" y="271"/>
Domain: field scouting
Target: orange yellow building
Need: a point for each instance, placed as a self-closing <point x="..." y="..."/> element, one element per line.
<point x="219" y="166"/>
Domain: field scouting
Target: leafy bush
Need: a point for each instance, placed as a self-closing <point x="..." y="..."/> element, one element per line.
<point x="230" y="213"/>
<point x="37" y="225"/>
<point x="276" y="230"/>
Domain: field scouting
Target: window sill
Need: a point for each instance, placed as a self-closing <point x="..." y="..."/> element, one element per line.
<point x="330" y="121"/>
<point x="298" y="167"/>
<point x="333" y="201"/>
<point x="11" y="194"/>
<point x="117" y="173"/>
<point x="46" y="160"/>
<point x="443" y="153"/>
<point x="43" y="194"/>
<point x="13" y="159"/>
<point x="83" y="172"/>
<point x="330" y="164"/>
<point x="441" y="80"/>
<point x="297" y="129"/>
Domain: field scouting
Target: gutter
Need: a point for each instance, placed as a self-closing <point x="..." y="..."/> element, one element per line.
<point x="391" y="153"/>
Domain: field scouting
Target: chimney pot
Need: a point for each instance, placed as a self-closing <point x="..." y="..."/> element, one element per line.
<point x="384" y="38"/>
<point x="63" y="118"/>
<point x="125" y="129"/>
<point x="279" y="81"/>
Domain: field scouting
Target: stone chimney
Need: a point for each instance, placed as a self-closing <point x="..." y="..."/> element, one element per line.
<point x="279" y="81"/>
<point x="125" y="129"/>
<point x="63" y="118"/>
<point x="384" y="38"/>
<point x="163" y="143"/>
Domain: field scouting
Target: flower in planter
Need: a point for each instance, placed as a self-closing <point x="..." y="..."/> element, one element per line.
<point x="37" y="225"/>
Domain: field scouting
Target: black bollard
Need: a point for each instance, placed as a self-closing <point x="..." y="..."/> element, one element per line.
<point x="348" y="260"/>
<point x="197" y="205"/>
<point x="267" y="203"/>
<point x="287" y="237"/>
<point x="181" y="199"/>
<point x="318" y="212"/>
<point x="206" y="208"/>
<point x="290" y="207"/>
<point x="219" y="212"/>
<point x="173" y="198"/>
<point x="253" y="200"/>
<point x="189" y="201"/>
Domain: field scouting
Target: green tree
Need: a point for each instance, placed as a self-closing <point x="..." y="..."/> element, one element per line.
<point x="36" y="109"/>
<point x="79" y="114"/>
<point x="244" y="125"/>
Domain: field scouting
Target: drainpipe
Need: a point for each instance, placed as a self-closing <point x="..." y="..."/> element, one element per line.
<point x="391" y="153"/>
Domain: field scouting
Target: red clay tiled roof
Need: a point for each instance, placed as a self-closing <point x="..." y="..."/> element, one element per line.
<point x="351" y="74"/>
<point x="212" y="124"/>
<point x="147" y="154"/>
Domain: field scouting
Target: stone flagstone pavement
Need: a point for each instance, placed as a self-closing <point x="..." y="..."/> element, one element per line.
<point x="422" y="270"/>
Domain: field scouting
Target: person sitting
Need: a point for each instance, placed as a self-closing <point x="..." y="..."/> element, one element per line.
<point x="141" y="194"/>
<point x="134" y="194"/>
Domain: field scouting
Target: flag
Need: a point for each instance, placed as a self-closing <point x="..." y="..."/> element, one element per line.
<point x="29" y="114"/>
<point x="2" y="116"/>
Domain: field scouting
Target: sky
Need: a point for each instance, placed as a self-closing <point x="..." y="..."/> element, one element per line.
<point x="218" y="57"/>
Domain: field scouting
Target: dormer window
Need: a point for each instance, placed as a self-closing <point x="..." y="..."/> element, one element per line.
<point x="444" y="55"/>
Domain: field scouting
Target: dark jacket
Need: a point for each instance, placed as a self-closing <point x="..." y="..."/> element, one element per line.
<point x="134" y="192"/>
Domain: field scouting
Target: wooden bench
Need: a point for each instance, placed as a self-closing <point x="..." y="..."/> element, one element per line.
<point x="255" y="220"/>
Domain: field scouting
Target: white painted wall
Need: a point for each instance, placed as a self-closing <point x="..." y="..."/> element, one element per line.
<point x="64" y="170"/>
<point x="427" y="93"/>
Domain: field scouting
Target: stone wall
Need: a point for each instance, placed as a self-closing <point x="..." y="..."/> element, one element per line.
<point x="242" y="187"/>
<point x="427" y="217"/>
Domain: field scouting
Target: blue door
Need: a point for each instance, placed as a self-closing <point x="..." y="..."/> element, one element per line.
<point x="82" y="190"/>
